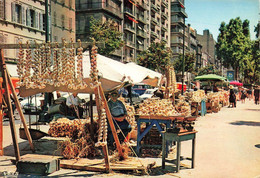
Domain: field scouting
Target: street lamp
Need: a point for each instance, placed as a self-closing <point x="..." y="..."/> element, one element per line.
<point x="183" y="57"/>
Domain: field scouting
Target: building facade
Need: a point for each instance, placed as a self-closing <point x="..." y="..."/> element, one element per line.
<point x="21" y="21"/>
<point x="208" y="45"/>
<point x="140" y="21"/>
<point x="63" y="25"/>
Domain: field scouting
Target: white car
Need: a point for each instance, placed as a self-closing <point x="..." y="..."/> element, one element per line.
<point x="148" y="93"/>
<point x="32" y="103"/>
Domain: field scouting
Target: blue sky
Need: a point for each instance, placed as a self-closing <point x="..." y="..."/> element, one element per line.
<point x="208" y="14"/>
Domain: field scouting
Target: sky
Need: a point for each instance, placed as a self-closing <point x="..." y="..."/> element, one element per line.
<point x="208" y="14"/>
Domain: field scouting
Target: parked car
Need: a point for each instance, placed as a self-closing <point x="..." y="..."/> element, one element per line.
<point x="148" y="93"/>
<point x="140" y="88"/>
<point x="32" y="104"/>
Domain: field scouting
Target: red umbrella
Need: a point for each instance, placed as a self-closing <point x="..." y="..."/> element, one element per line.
<point x="236" y="83"/>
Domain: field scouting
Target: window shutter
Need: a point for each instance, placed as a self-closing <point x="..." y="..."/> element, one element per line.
<point x="36" y="20"/>
<point x="29" y="17"/>
<point x="13" y="12"/>
<point x="40" y="21"/>
<point x="23" y="16"/>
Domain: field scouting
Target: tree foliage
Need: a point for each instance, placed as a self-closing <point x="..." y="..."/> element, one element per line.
<point x="106" y="32"/>
<point x="233" y="44"/>
<point x="156" y="57"/>
<point x="190" y="60"/>
<point x="209" y="69"/>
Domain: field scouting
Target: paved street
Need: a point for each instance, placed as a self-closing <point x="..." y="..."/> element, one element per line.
<point x="227" y="145"/>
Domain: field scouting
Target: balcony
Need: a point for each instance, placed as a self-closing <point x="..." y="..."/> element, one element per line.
<point x="143" y="5"/>
<point x="117" y="53"/>
<point x="82" y="7"/>
<point x="153" y="7"/>
<point x="164" y="28"/>
<point x="164" y="15"/>
<point x="177" y="20"/>
<point x="179" y="10"/>
<point x="141" y="18"/>
<point x="164" y="40"/>
<point x="165" y="3"/>
<point x="140" y="47"/>
<point x="129" y="11"/>
<point x="129" y="43"/>
<point x="129" y="28"/>
<point x="154" y="21"/>
<point x="153" y="34"/>
<point x="141" y="33"/>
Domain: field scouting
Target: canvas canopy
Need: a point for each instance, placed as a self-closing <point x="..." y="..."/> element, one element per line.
<point x="112" y="75"/>
<point x="213" y="77"/>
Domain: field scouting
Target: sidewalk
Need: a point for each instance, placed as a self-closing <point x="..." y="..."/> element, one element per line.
<point x="227" y="145"/>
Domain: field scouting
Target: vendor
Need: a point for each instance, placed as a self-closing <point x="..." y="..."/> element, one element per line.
<point x="119" y="113"/>
<point x="215" y="88"/>
<point x="73" y="102"/>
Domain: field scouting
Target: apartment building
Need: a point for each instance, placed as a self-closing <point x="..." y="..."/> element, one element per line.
<point x="63" y="25"/>
<point x="179" y="31"/>
<point x="208" y="45"/>
<point x="20" y="21"/>
<point x="141" y="22"/>
<point x="98" y="9"/>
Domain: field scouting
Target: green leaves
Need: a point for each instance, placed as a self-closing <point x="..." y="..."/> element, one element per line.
<point x="156" y="57"/>
<point x="107" y="32"/>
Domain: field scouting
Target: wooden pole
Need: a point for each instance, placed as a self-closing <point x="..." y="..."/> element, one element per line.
<point x="110" y="120"/>
<point x="19" y="109"/>
<point x="11" y="117"/>
<point x="1" y="122"/>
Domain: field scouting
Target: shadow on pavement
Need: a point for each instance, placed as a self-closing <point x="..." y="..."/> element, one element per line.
<point x="253" y="110"/>
<point x="257" y="146"/>
<point x="248" y="123"/>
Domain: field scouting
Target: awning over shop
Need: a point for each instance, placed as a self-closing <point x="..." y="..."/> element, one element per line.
<point x="212" y="77"/>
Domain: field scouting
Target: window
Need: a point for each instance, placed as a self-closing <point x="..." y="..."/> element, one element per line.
<point x="32" y="18"/>
<point x="70" y="3"/>
<point x="62" y="21"/>
<point x="2" y="9"/>
<point x="18" y="13"/>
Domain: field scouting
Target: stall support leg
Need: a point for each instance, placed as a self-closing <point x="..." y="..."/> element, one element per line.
<point x="1" y="123"/>
<point x="163" y="150"/>
<point x="105" y="151"/>
<point x="178" y="156"/>
<point x="193" y="152"/>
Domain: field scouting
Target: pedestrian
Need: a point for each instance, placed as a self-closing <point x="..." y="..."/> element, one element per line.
<point x="249" y="92"/>
<point x="243" y="96"/>
<point x="119" y="113"/>
<point x="73" y="103"/>
<point x="232" y="97"/>
<point x="256" y="95"/>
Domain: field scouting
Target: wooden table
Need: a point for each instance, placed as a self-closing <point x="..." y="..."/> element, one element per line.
<point x="178" y="137"/>
<point x="151" y="121"/>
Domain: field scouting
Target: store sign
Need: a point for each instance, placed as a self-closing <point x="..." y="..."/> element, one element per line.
<point x="230" y="75"/>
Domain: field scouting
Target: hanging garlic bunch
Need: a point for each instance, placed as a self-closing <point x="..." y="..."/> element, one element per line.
<point x="102" y="132"/>
<point x="20" y="65"/>
<point x="79" y="78"/>
<point x="55" y="73"/>
<point x="93" y="62"/>
<point x="71" y="66"/>
<point x="27" y="66"/>
<point x="64" y="62"/>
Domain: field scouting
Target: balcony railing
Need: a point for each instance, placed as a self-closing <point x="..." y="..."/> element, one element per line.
<point x="100" y="5"/>
<point x="177" y="20"/>
<point x="129" y="27"/>
<point x="154" y="21"/>
<point x="129" y="11"/>
<point x="142" y="4"/>
<point x="164" y="15"/>
<point x="154" y="34"/>
<point x="140" y="47"/>
<point x="164" y="28"/>
<point x="153" y="7"/>
<point x="164" y="40"/>
<point x="179" y="9"/>
<point x="130" y="43"/>
<point x="141" y="18"/>
<point x="141" y="33"/>
<point x="165" y="3"/>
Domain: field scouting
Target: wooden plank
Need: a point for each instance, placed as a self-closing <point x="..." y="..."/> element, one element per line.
<point x="129" y="164"/>
<point x="11" y="116"/>
<point x="1" y="122"/>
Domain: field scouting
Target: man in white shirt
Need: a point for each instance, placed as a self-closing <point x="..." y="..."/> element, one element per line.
<point x="73" y="103"/>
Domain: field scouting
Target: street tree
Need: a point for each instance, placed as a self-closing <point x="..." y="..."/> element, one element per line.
<point x="209" y="69"/>
<point x="233" y="44"/>
<point x="156" y="57"/>
<point x="106" y="32"/>
<point x="189" y="65"/>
